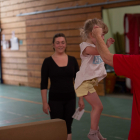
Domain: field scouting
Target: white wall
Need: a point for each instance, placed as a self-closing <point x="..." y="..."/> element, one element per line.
<point x="114" y="19"/>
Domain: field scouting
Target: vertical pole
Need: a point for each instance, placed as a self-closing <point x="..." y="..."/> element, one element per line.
<point x="1" y="81"/>
<point x="0" y="61"/>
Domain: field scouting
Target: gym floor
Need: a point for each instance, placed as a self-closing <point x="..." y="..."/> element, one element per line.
<point x="20" y="104"/>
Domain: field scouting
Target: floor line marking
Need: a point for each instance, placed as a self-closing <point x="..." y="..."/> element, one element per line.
<point x="20" y="100"/>
<point x="113" y="116"/>
<point x="9" y="112"/>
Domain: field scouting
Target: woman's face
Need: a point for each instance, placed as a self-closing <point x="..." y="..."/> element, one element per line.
<point x="59" y="45"/>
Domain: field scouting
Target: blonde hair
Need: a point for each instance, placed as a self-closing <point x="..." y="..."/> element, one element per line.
<point x="88" y="26"/>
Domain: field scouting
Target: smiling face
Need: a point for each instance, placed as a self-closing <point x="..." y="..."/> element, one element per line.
<point x="59" y="45"/>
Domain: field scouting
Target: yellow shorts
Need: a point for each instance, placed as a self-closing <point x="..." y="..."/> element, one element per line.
<point x="85" y="87"/>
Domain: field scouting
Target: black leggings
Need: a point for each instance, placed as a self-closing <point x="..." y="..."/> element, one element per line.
<point x="63" y="110"/>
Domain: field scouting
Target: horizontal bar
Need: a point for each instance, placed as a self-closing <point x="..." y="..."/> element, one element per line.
<point x="74" y="7"/>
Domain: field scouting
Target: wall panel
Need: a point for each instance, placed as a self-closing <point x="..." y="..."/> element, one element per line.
<point x="40" y="30"/>
<point x="14" y="72"/>
<point x="14" y="60"/>
<point x="23" y="67"/>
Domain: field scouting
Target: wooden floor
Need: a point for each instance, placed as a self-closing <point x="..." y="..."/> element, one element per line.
<point x="23" y="104"/>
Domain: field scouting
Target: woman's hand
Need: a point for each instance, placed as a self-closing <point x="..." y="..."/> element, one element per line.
<point x="46" y="107"/>
<point x="81" y="103"/>
<point x="109" y="42"/>
<point x="97" y="31"/>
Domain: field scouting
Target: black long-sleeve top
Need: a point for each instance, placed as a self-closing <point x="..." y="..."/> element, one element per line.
<point x="61" y="79"/>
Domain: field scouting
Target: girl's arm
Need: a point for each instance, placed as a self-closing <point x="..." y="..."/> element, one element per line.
<point x="93" y="50"/>
<point x="90" y="51"/>
<point x="109" y="42"/>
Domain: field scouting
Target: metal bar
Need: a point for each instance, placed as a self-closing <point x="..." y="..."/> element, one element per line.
<point x="1" y="81"/>
<point x="74" y="7"/>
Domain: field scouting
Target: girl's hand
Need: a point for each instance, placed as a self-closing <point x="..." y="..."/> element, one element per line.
<point x="109" y="42"/>
<point x="46" y="107"/>
<point x="81" y="103"/>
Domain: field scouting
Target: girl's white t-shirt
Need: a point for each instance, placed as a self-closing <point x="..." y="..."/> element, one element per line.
<point x="92" y="66"/>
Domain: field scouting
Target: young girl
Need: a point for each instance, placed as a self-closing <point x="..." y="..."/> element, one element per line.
<point x="92" y="71"/>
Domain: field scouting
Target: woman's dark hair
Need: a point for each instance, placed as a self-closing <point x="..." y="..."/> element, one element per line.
<point x="58" y="35"/>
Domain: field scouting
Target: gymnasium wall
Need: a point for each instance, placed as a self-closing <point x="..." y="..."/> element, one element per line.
<point x="23" y="67"/>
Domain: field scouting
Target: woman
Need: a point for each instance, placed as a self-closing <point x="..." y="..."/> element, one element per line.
<point x="61" y="69"/>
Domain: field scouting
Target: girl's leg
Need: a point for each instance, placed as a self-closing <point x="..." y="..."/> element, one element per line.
<point x="97" y="107"/>
<point x="100" y="136"/>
